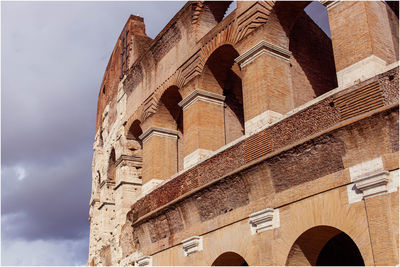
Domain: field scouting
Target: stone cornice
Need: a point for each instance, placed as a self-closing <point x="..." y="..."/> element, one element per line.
<point x="158" y="131"/>
<point x="201" y="95"/>
<point x="135" y="159"/>
<point x="261" y="48"/>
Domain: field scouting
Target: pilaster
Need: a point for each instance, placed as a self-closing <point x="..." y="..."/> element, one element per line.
<point x="203" y="123"/>
<point x="160" y="155"/>
<point x="266" y="84"/>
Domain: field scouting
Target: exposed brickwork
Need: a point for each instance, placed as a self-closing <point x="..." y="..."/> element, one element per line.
<point x="166" y="42"/>
<point x="316" y="158"/>
<point x="135" y="76"/>
<point x="221" y="198"/>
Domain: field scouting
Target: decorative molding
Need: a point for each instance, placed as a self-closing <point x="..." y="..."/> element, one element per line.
<point x="145" y="261"/>
<point x="137" y="161"/>
<point x="202" y="96"/>
<point x="157" y="131"/>
<point x="264" y="220"/>
<point x="254" y="17"/>
<point x="369" y="179"/>
<point x="149" y="106"/>
<point x="262" y="47"/>
<point x="192" y="244"/>
<point x="374" y="184"/>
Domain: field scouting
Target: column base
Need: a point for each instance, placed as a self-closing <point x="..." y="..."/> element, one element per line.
<point x="261" y="121"/>
<point x="195" y="157"/>
<point x="361" y="71"/>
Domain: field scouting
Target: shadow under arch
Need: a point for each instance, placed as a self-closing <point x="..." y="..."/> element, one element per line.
<point x="324" y="246"/>
<point x="229" y="259"/>
<point x="221" y="75"/>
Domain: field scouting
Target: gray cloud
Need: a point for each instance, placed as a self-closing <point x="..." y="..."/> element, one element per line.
<point x="53" y="58"/>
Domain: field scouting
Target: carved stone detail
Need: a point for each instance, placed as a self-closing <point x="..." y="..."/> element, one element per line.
<point x="263" y="220"/>
<point x="192" y="244"/>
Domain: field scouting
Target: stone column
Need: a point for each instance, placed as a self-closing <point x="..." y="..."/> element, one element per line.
<point x="160" y="155"/>
<point x="361" y="38"/>
<point x="203" y="125"/>
<point x="266" y="83"/>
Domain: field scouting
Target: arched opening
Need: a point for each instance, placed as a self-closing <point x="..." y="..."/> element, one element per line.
<point x="134" y="132"/>
<point x="324" y="246"/>
<point x="221" y="75"/>
<point x="169" y="103"/>
<point x="229" y="259"/>
<point x="111" y="166"/>
<point x="312" y="64"/>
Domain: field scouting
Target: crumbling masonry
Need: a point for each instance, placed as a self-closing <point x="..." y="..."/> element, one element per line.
<point x="252" y="138"/>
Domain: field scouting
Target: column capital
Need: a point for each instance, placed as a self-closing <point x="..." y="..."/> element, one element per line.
<point x="134" y="160"/>
<point x="201" y="95"/>
<point x="262" y="47"/>
<point x="158" y="131"/>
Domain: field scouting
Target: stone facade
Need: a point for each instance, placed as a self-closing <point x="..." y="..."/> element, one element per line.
<point x="250" y="139"/>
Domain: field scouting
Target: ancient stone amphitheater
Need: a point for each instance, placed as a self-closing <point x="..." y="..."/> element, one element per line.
<point x="250" y="139"/>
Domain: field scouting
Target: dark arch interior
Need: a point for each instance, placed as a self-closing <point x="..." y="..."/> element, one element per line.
<point x="170" y="99"/>
<point x="135" y="131"/>
<point x="111" y="166"/>
<point x="222" y="76"/>
<point x="324" y="246"/>
<point x="230" y="259"/>
<point x="340" y="251"/>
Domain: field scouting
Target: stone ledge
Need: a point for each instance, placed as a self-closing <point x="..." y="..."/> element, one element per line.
<point x="261" y="48"/>
<point x="137" y="161"/>
<point x="158" y="131"/>
<point x="201" y="95"/>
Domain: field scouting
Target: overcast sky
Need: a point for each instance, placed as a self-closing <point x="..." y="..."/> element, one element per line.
<point x="53" y="57"/>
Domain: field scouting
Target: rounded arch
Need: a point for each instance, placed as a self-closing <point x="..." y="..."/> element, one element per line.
<point x="168" y="114"/>
<point x="221" y="75"/>
<point x="229" y="259"/>
<point x="134" y="131"/>
<point x="324" y="245"/>
<point x="312" y="62"/>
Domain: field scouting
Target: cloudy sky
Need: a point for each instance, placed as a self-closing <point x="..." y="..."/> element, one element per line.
<point x="53" y="56"/>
